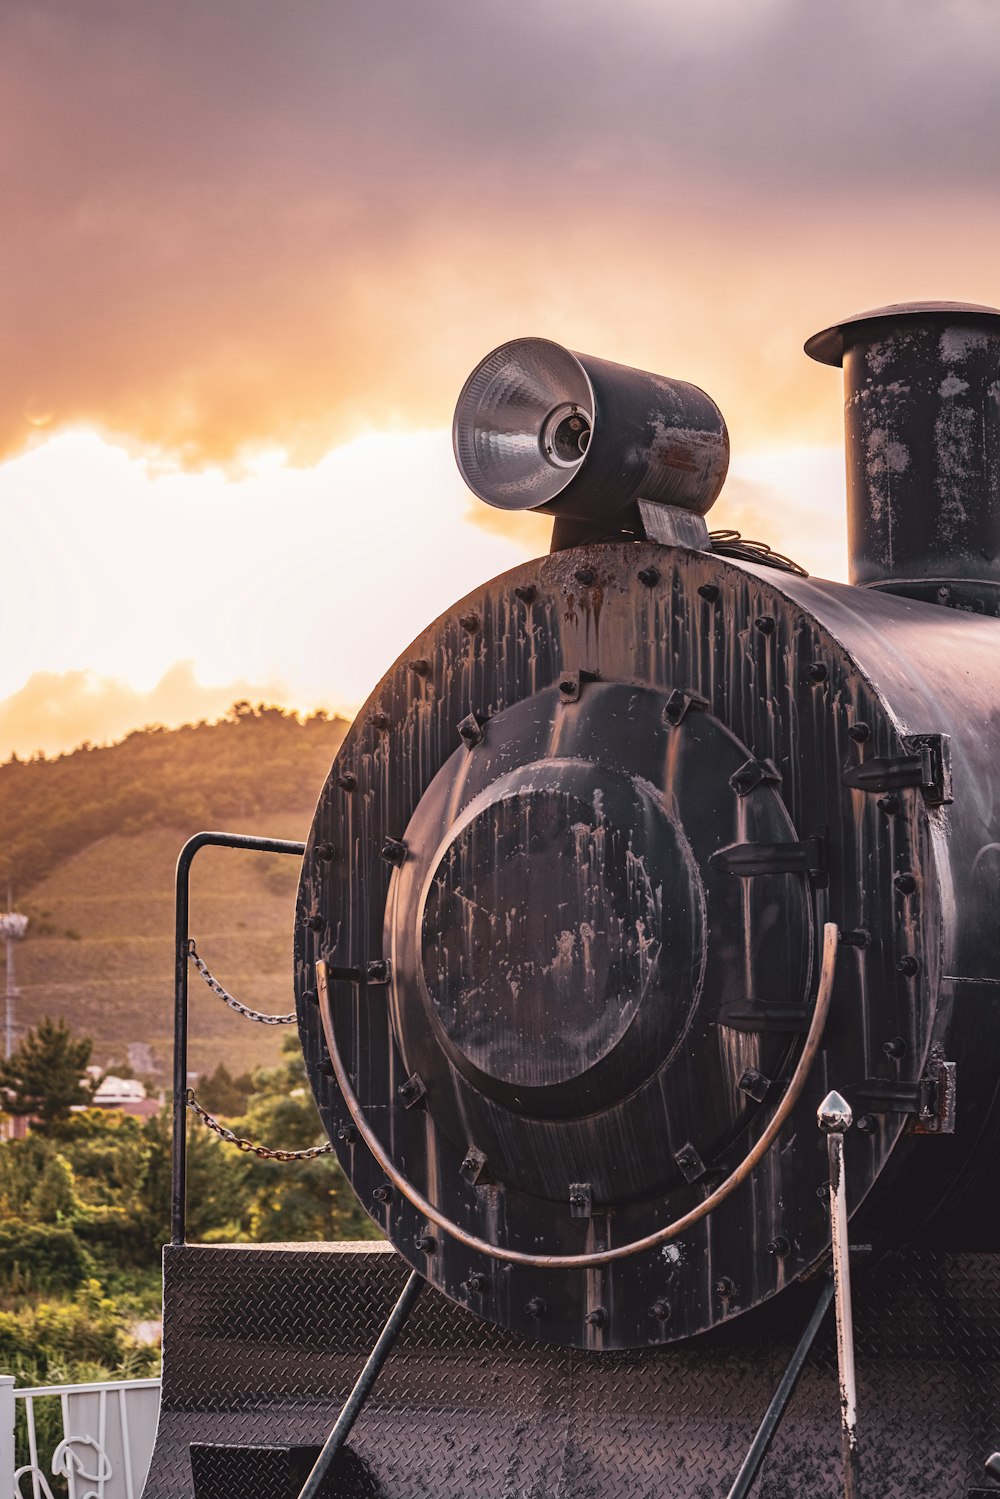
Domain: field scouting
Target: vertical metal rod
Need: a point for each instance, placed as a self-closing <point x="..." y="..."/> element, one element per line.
<point x="835" y="1119"/>
<point x="366" y="1380"/>
<point x="182" y="898"/>
<point x="8" y="1050"/>
<point x="779" y="1400"/>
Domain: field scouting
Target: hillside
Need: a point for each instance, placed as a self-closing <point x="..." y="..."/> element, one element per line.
<point x="91" y="840"/>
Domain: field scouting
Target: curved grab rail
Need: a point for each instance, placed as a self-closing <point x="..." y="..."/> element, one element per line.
<point x="621" y="1251"/>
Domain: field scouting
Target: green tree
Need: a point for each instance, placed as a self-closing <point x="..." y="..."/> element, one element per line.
<point x="54" y="1199"/>
<point x="307" y="1200"/>
<point x="221" y="1093"/>
<point x="45" y="1075"/>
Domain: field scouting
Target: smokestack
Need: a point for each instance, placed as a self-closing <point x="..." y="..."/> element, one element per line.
<point x="922" y="417"/>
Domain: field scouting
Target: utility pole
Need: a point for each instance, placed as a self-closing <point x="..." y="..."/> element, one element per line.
<point x="12" y="929"/>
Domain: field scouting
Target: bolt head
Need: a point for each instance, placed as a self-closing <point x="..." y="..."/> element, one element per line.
<point x="649" y="576"/>
<point x="908" y="966"/>
<point x="425" y="1243"/>
<point x="888" y="805"/>
<point x="393" y="851"/>
<point x="817" y="672"/>
<point x="764" y="623"/>
<point x="347" y="1133"/>
<point x="867" y="1124"/>
<point x="347" y="780"/>
<point x="380" y="721"/>
<point x="527" y="593"/>
<point x="724" y="1288"/>
<point x="905" y="884"/>
<point x="536" y="1307"/>
<point x="778" y="1247"/>
<point x="754" y="1084"/>
<point x="584" y="575"/>
<point x="326" y="852"/>
<point x="859" y="732"/>
<point x="383" y="1193"/>
<point x="660" y="1311"/>
<point x="709" y="592"/>
<point x="469" y="623"/>
<point x="597" y="1317"/>
<point x="421" y="667"/>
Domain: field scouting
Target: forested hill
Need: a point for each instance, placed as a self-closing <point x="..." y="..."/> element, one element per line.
<point x="89" y="842"/>
<point x="257" y="762"/>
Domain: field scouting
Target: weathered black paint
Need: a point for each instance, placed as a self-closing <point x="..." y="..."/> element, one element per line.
<point x="633" y="1052"/>
<point x="922" y="413"/>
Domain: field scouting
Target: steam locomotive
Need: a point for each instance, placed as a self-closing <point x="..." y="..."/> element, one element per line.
<point x="633" y="856"/>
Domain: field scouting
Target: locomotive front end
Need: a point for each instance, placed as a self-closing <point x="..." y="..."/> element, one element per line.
<point x="644" y="846"/>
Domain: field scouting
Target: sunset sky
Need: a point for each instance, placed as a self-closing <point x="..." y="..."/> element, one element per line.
<point x="252" y="248"/>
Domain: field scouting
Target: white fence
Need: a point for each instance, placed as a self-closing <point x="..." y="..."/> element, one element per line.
<point x="106" y="1443"/>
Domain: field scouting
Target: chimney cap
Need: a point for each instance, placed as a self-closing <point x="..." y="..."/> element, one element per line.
<point x="827" y="347"/>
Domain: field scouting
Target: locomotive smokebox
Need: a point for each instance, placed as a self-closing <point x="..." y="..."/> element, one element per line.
<point x="922" y="414"/>
<point x="538" y="427"/>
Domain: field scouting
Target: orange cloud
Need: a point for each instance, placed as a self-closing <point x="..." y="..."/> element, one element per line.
<point x="57" y="711"/>
<point x="238" y="223"/>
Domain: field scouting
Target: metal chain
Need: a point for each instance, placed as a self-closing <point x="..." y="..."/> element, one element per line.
<point x="234" y="1004"/>
<point x="248" y="1146"/>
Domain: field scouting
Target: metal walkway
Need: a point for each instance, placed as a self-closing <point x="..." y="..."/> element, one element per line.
<point x="262" y="1343"/>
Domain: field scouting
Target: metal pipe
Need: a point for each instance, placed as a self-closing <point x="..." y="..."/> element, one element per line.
<point x="182" y="895"/>
<point x="835" y="1119"/>
<point x="620" y="1251"/>
<point x="366" y="1379"/>
<point x="11" y="991"/>
<point x="779" y="1400"/>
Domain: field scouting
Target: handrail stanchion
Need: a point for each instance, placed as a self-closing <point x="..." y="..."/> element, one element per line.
<point x="835" y="1119"/>
<point x="182" y="898"/>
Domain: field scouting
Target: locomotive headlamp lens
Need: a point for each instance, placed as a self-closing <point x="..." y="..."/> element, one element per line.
<point x="522" y="423"/>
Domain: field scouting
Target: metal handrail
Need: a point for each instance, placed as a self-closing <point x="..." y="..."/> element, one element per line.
<point x="621" y="1251"/>
<point x="93" y="1386"/>
<point x="182" y="897"/>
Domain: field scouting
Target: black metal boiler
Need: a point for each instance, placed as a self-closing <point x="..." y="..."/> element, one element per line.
<point x="571" y="869"/>
<point x="636" y="856"/>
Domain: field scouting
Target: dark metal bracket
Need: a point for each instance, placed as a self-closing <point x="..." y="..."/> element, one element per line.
<point x="182" y="903"/>
<point x="926" y="764"/>
<point x="758" y="1015"/>
<point x="930" y="1098"/>
<point x="572" y="683"/>
<point x="679" y="704"/>
<point x="749" y="859"/>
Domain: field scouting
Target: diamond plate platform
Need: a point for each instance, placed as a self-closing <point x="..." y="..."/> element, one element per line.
<point x="263" y="1342"/>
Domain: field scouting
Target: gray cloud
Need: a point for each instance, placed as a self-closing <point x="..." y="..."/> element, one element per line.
<point x="250" y="219"/>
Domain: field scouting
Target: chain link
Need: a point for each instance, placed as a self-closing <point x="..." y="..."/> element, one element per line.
<point x="234" y="1004"/>
<point x="248" y="1146"/>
